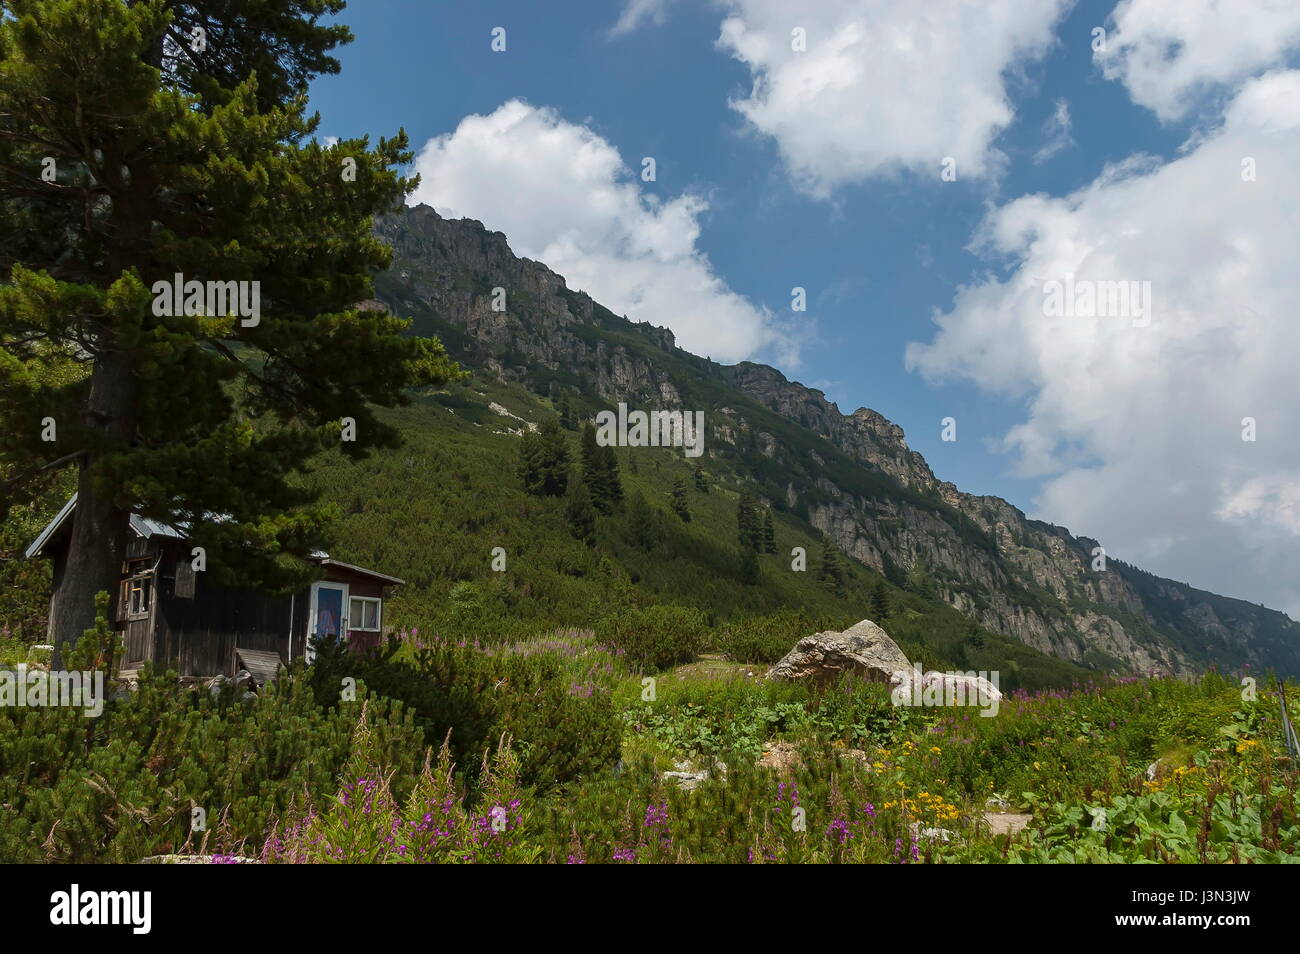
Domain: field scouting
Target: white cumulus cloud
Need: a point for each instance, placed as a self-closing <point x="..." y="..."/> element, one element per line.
<point x="1137" y="429"/>
<point x="1170" y="53"/>
<point x="563" y="195"/>
<point x="883" y="85"/>
<point x="636" y="13"/>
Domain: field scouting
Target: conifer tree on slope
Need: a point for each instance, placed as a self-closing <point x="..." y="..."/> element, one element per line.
<point x="879" y="602"/>
<point x="749" y="528"/>
<point x="600" y="471"/>
<point x="613" y="482"/>
<point x="544" y="460"/>
<point x="593" y="469"/>
<point x="832" y="573"/>
<point x="681" y="503"/>
<point x="579" y="512"/>
<point x="133" y="148"/>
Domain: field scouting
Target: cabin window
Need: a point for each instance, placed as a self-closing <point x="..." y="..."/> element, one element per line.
<point x="137" y="589"/>
<point x="364" y="614"/>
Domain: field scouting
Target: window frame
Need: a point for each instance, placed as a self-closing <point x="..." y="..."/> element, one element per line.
<point x="142" y="582"/>
<point x="355" y="625"/>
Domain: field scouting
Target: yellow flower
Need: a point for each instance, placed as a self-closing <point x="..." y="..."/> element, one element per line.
<point x="936" y="750"/>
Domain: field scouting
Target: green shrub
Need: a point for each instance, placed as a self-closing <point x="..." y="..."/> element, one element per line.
<point x="471" y="695"/>
<point x="765" y="639"/>
<point x="656" y="637"/>
<point x="123" y="785"/>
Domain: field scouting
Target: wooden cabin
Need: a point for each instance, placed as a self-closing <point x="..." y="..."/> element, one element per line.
<point x="177" y="618"/>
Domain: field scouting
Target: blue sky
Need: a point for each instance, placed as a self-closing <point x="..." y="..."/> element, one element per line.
<point x="778" y="196"/>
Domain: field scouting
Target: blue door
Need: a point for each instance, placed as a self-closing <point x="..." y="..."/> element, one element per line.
<point x="327" y="614"/>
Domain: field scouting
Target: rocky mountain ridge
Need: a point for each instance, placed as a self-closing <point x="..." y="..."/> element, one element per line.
<point x="851" y="476"/>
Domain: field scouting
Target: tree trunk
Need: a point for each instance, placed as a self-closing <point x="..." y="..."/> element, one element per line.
<point x="99" y="525"/>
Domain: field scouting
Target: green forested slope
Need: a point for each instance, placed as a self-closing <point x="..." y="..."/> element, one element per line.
<point x="433" y="512"/>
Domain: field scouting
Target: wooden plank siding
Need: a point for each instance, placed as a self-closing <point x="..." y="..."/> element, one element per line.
<point x="193" y="626"/>
<point x="198" y="636"/>
<point x="201" y="634"/>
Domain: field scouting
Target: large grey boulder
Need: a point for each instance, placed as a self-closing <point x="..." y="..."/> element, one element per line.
<point x="863" y="649"/>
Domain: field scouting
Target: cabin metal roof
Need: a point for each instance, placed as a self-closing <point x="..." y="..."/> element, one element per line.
<point x="147" y="527"/>
<point x="141" y="526"/>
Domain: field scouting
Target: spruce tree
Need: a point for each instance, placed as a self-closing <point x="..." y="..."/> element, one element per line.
<point x="609" y="475"/>
<point x="593" y="469"/>
<point x="750" y="572"/>
<point x="749" y="526"/>
<point x="769" y="532"/>
<point x="140" y="141"/>
<point x="832" y="573"/>
<point x="579" y="512"/>
<point x="879" y="601"/>
<point x="681" y="505"/>
<point x="642" y="522"/>
<point x="544" y="460"/>
<point x="565" y="411"/>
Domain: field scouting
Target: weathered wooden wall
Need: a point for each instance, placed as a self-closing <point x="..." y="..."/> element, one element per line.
<point x="198" y="636"/>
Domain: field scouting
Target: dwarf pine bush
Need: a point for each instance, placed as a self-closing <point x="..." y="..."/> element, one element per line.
<point x="656" y="637"/>
<point x="126" y="784"/>
<point x="765" y="639"/>
<point x="467" y="695"/>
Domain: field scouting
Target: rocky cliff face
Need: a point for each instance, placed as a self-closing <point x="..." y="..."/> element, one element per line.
<point x="979" y="583"/>
<point x="851" y="476"/>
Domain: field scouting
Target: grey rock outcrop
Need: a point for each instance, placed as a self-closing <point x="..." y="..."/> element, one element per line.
<point x="854" y="478"/>
<point x="863" y="649"/>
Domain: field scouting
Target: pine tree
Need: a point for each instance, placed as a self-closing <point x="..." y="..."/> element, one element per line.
<point x="609" y="474"/>
<point x="130" y="152"/>
<point x="879" y="602"/>
<point x="701" y="478"/>
<point x="579" y="512"/>
<point x="600" y="471"/>
<point x="544" y="460"/>
<point x="642" y="522"/>
<point x="593" y="469"/>
<point x="681" y="505"/>
<point x="832" y="572"/>
<point x="749" y="526"/>
<point x="769" y="532"/>
<point x="565" y="411"/>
